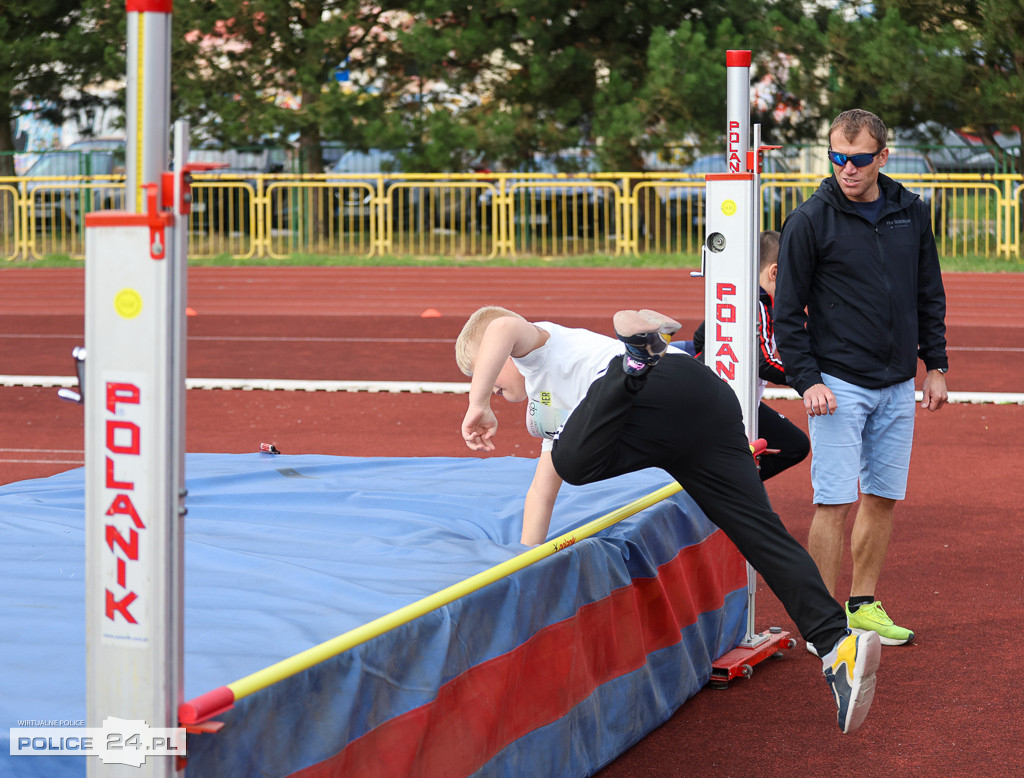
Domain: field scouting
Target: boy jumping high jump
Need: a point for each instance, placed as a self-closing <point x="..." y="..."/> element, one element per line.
<point x="604" y="413"/>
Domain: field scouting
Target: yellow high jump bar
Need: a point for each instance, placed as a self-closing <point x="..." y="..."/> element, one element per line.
<point x="215" y="702"/>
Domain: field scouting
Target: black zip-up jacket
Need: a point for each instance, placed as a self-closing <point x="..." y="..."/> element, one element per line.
<point x="873" y="292"/>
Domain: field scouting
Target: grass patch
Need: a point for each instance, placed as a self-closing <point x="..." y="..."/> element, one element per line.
<point x="588" y="260"/>
<point x="975" y="264"/>
<point x="958" y="264"/>
<point x="657" y="261"/>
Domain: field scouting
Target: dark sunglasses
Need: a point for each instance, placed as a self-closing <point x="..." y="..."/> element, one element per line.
<point x="858" y="160"/>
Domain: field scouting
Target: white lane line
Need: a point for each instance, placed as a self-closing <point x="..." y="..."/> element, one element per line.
<point x="258" y="339"/>
<point x="43" y="461"/>
<point x="42" y="450"/>
<point x="997" y="398"/>
<point x="420" y="387"/>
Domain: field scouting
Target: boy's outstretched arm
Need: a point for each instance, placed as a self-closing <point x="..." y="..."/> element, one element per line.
<point x="540" y="501"/>
<point x="504" y="337"/>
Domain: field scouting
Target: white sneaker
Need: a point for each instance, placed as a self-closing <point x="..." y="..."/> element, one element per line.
<point x="646" y="334"/>
<point x="850" y="670"/>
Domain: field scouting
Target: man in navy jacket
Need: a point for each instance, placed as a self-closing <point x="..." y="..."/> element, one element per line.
<point x="859" y="300"/>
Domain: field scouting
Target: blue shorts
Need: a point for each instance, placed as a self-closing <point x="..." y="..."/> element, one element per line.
<point x="867" y="441"/>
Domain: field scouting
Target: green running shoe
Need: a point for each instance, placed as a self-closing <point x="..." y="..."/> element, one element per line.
<point x="872" y="617"/>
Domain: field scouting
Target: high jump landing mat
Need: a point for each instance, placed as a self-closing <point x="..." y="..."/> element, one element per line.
<point x="554" y="670"/>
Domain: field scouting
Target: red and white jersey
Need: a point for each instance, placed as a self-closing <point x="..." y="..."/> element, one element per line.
<point x="769" y="365"/>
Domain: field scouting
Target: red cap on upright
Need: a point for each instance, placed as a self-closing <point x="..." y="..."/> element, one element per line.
<point x="149" y="6"/>
<point x="206" y="706"/>
<point x="735" y="58"/>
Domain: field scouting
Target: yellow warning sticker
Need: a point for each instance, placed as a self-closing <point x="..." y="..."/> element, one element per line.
<point x="729" y="207"/>
<point x="128" y="303"/>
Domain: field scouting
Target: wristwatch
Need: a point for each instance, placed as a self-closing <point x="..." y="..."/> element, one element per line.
<point x="943" y="370"/>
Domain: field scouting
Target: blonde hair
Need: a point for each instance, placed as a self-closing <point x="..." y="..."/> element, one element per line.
<point x="473" y="331"/>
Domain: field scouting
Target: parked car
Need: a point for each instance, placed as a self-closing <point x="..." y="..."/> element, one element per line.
<point x="61" y="186"/>
<point x="913" y="169"/>
<point x="984" y="162"/>
<point x="687" y="202"/>
<point x="553" y="203"/>
<point x="414" y="204"/>
<point x="353" y="198"/>
<point x="222" y="200"/>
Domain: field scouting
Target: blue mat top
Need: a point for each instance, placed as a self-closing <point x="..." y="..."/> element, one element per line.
<point x="282" y="553"/>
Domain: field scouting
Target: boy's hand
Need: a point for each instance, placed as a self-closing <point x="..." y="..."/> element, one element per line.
<point x="478" y="428"/>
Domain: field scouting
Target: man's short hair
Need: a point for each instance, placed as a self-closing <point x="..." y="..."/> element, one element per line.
<point x="472" y="331"/>
<point x="850" y="123"/>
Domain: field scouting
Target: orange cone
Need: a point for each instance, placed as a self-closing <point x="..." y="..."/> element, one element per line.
<point x="430" y="313"/>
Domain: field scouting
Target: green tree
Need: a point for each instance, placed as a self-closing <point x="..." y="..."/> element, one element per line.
<point x="958" y="64"/>
<point x="54" y="54"/>
<point x="447" y="84"/>
<point x="796" y="47"/>
<point x="621" y="79"/>
<point x="264" y="71"/>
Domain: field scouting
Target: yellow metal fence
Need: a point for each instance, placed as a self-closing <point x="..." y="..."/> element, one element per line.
<point x="474" y="215"/>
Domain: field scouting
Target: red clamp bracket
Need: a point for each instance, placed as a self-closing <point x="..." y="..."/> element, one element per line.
<point x="167" y="185"/>
<point x="758" y="158"/>
<point x="158" y="222"/>
<point x="759" y="448"/>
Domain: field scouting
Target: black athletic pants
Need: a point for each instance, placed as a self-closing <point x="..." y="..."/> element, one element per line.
<point x="782" y="434"/>
<point x="682" y="418"/>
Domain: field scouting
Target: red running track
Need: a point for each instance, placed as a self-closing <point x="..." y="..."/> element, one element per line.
<point x="949" y="705"/>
